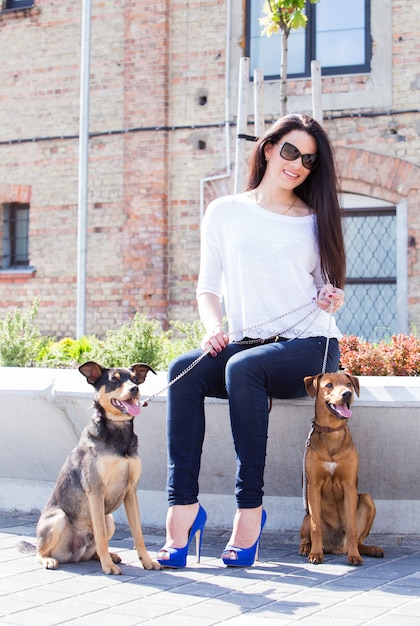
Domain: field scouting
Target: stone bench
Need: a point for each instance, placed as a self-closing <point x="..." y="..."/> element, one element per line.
<point x="43" y="412"/>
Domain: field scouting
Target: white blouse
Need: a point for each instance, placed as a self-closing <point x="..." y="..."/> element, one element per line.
<point x="266" y="268"/>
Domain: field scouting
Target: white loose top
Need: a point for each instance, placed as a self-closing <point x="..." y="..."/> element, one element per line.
<point x="266" y="268"/>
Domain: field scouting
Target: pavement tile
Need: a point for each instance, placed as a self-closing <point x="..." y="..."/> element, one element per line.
<point x="394" y="619"/>
<point x="36" y="617"/>
<point x="409" y="608"/>
<point x="349" y="608"/>
<point x="321" y="620"/>
<point x="218" y="610"/>
<point x="108" y="618"/>
<point x="283" y="588"/>
<point x="181" y="620"/>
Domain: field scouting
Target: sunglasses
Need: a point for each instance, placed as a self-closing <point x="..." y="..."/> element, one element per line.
<point x="289" y="152"/>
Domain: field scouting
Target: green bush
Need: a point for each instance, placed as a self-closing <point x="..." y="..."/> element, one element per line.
<point x="20" y="338"/>
<point x="140" y="340"/>
<point x="143" y="340"/>
<point x="68" y="352"/>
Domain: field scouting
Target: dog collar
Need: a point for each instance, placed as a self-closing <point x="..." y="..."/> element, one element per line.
<point x="100" y="416"/>
<point x="327" y="429"/>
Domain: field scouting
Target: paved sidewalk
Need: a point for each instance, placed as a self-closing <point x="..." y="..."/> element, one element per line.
<point x="282" y="587"/>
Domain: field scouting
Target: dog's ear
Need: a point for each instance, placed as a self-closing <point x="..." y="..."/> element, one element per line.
<point x="92" y="371"/>
<point x="311" y="384"/>
<point x="355" y="382"/>
<point x="141" y="370"/>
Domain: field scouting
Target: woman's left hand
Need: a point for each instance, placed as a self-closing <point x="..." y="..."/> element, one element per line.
<point x="328" y="296"/>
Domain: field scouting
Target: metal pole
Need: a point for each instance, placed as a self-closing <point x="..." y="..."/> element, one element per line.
<point x="316" y="91"/>
<point x="258" y="102"/>
<point x="241" y="124"/>
<point x="83" y="169"/>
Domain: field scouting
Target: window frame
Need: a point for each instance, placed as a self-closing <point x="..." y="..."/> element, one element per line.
<point x="310" y="46"/>
<point x="16" y="5"/>
<point x="11" y="254"/>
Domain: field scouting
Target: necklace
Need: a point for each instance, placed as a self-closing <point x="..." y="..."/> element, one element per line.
<point x="256" y="200"/>
<point x="291" y="206"/>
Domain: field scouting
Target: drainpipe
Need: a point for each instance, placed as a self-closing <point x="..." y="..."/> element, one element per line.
<point x="83" y="169"/>
<point x="227" y="113"/>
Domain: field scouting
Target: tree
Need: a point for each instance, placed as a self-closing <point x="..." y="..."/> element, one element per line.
<point x="283" y="16"/>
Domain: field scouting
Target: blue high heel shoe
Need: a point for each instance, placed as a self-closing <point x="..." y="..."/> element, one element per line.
<point x="243" y="557"/>
<point x="177" y="557"/>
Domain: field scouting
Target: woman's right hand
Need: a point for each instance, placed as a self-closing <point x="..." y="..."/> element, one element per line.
<point x="215" y="341"/>
<point x="216" y="338"/>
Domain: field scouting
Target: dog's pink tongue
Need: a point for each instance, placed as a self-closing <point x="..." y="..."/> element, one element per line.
<point x="343" y="409"/>
<point x="132" y="408"/>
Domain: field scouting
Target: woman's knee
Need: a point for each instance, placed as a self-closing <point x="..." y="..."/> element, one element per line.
<point x="241" y="370"/>
<point x="203" y="376"/>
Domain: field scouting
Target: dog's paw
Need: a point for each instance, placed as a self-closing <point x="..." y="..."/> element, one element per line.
<point x="149" y="563"/>
<point x="374" y="551"/>
<point x="378" y="552"/>
<point x="115" y="558"/>
<point x="354" y="559"/>
<point x="111" y="568"/>
<point x="316" y="558"/>
<point x="48" y="562"/>
<point x="304" y="548"/>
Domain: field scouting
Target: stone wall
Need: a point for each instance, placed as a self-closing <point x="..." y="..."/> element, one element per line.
<point x="44" y="412"/>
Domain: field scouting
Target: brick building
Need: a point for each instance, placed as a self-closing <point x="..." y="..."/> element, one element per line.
<point x="163" y="106"/>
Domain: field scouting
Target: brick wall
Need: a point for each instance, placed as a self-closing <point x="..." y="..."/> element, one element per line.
<point x="157" y="112"/>
<point x="128" y="189"/>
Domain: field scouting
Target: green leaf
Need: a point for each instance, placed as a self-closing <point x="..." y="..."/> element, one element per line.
<point x="283" y="15"/>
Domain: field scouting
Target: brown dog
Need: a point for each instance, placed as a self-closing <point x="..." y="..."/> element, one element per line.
<point x="339" y="519"/>
<point x="99" y="475"/>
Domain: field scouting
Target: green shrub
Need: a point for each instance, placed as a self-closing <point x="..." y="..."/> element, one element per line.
<point x="143" y="340"/>
<point x="140" y="340"/>
<point x="186" y="335"/>
<point x="182" y="337"/>
<point x="20" y="338"/>
<point x="68" y="352"/>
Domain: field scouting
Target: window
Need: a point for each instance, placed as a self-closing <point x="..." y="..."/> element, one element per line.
<point x="337" y="35"/>
<point x="15" y="236"/>
<point x="374" y="235"/>
<point x="19" y="4"/>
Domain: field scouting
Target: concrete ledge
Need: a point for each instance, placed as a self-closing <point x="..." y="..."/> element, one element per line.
<point x="43" y="412"/>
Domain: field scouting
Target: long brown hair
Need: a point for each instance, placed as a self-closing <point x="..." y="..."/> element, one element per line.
<point x="318" y="191"/>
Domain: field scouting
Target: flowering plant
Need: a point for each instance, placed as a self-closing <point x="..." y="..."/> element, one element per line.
<point x="400" y="356"/>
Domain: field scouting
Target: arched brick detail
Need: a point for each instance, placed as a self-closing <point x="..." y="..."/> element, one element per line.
<point x="385" y="177"/>
<point x="15" y="193"/>
<point x="377" y="175"/>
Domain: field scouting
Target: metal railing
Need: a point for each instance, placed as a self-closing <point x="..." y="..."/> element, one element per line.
<point x="371" y="284"/>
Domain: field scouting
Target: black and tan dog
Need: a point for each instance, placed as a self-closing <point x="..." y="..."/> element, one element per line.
<point x="339" y="518"/>
<point x="99" y="475"/>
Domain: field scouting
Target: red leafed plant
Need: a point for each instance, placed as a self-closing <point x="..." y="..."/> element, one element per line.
<point x="400" y="356"/>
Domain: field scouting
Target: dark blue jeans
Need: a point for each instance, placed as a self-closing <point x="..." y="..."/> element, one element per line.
<point x="245" y="375"/>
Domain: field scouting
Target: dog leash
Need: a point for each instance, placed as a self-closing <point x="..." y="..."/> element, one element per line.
<point x="314" y="309"/>
<point x="304" y="479"/>
<point x="311" y="430"/>
<point x="232" y="334"/>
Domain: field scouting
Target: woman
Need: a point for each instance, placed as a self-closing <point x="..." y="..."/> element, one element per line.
<point x="275" y="254"/>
